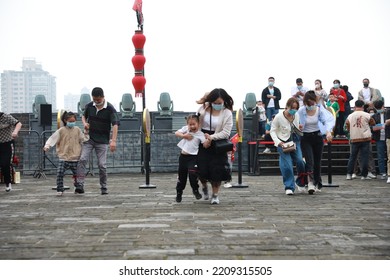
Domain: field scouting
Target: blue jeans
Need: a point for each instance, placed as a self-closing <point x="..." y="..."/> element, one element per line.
<point x="262" y="128"/>
<point x="363" y="147"/>
<point x="380" y="151"/>
<point x="101" y="154"/>
<point x="271" y="111"/>
<point x="286" y="161"/>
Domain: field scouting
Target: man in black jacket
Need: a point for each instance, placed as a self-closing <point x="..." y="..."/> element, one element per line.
<point x="270" y="97"/>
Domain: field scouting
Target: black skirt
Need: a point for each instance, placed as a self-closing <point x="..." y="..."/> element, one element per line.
<point x="213" y="167"/>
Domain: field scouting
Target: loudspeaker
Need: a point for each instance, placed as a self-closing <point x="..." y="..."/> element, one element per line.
<point x="44" y="114"/>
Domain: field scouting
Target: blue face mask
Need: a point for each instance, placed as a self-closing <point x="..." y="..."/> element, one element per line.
<point x="379" y="111"/>
<point x="270" y="84"/>
<point x="292" y="111"/>
<point x="217" y="107"/>
<point x="70" y="124"/>
<point x="336" y="85"/>
<point x="299" y="87"/>
<point x="311" y="108"/>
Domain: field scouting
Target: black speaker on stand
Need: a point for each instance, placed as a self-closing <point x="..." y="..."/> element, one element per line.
<point x="45" y="115"/>
<point x="44" y="119"/>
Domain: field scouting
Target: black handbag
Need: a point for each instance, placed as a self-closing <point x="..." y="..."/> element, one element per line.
<point x="222" y="145"/>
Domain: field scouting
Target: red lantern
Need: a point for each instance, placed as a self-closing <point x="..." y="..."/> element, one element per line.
<point x="139" y="82"/>
<point x="138" y="62"/>
<point x="139" y="40"/>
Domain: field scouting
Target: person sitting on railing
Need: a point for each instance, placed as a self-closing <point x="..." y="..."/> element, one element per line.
<point x="267" y="137"/>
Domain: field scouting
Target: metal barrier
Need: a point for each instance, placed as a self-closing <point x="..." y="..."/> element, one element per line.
<point x="128" y="157"/>
<point x="28" y="148"/>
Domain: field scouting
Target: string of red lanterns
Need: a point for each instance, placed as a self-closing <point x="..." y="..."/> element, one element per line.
<point x="138" y="61"/>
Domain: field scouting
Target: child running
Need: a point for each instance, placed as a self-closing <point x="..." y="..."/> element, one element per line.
<point x="68" y="140"/>
<point x="189" y="145"/>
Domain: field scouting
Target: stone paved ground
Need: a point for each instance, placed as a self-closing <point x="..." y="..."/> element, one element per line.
<point x="258" y="222"/>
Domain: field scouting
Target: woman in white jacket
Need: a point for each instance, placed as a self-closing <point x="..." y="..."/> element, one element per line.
<point x="216" y="122"/>
<point x="281" y="133"/>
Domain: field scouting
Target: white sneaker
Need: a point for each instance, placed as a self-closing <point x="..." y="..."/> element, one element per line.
<point x="384" y="176"/>
<point x="388" y="180"/>
<point x="267" y="151"/>
<point x="214" y="199"/>
<point x="366" y="178"/>
<point x="289" y="192"/>
<point x="349" y="177"/>
<point x="317" y="189"/>
<point x="354" y="176"/>
<point x="8" y="188"/>
<point x="60" y="193"/>
<point x="311" y="188"/>
<point x="372" y="176"/>
<point x="301" y="189"/>
<point x="227" y="185"/>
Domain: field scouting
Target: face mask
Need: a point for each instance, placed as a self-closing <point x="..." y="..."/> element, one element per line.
<point x="371" y="114"/>
<point x="365" y="85"/>
<point x="100" y="104"/>
<point x="292" y="111"/>
<point x="317" y="85"/>
<point x="299" y="87"/>
<point x="311" y="108"/>
<point x="379" y="111"/>
<point x="217" y="107"/>
<point x="70" y="124"/>
<point x="271" y="83"/>
<point x="336" y="85"/>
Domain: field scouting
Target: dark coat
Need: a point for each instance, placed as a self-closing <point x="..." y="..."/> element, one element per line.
<point x="266" y="100"/>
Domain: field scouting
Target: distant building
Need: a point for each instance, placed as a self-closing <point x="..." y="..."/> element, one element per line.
<point x="71" y="100"/>
<point x="19" y="88"/>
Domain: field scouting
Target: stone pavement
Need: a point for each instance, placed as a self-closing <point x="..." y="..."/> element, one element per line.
<point x="258" y="222"/>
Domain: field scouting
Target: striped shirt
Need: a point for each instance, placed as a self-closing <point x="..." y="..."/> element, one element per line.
<point x="100" y="121"/>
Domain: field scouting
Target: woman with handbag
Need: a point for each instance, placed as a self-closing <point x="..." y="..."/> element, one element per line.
<point x="216" y="122"/>
<point x="316" y="121"/>
<point x="284" y="133"/>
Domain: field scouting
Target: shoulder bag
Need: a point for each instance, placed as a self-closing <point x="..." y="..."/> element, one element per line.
<point x="222" y="145"/>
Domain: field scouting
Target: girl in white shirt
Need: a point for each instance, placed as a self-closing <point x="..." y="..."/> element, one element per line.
<point x="189" y="145"/>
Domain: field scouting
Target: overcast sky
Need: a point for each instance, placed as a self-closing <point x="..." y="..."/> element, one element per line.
<point x="194" y="46"/>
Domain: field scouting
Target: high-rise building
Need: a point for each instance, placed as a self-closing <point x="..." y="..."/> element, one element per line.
<point x="19" y="88"/>
<point x="71" y="100"/>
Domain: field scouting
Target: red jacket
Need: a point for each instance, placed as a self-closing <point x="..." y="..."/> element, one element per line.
<point x="341" y="97"/>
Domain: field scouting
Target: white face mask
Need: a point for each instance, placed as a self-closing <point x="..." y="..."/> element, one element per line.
<point x="100" y="104"/>
<point x="318" y="86"/>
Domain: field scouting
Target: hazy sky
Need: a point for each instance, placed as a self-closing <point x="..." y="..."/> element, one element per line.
<point x="194" y="46"/>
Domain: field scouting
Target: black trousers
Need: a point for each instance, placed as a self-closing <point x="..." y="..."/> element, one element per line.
<point x="6" y="155"/>
<point x="187" y="168"/>
<point x="340" y="124"/>
<point x="312" y="145"/>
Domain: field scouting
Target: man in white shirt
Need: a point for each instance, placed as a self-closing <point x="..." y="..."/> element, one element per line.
<point x="368" y="94"/>
<point x="299" y="91"/>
